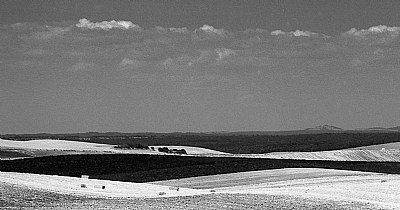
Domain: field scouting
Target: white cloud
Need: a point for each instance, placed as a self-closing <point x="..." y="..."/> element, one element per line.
<point x="297" y="33"/>
<point x="211" y="29"/>
<point x="373" y="31"/>
<point x="223" y="53"/>
<point x="278" y="32"/>
<point x="374" y="35"/>
<point x="107" y="25"/>
<point x="303" y="33"/>
<point x="128" y="63"/>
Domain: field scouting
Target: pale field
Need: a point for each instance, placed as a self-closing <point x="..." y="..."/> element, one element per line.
<point x="388" y="146"/>
<point x="390" y="155"/>
<point x="19" y="197"/>
<point x="48" y="147"/>
<point x="269" y="189"/>
<point x="72" y="185"/>
<point x="382" y="190"/>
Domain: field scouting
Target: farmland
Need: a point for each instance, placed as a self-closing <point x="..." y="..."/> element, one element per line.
<point x="285" y="188"/>
<point x="17" y="197"/>
<point x="392" y="155"/>
<point x="236" y="144"/>
<point x="292" y="180"/>
<point x="147" y="168"/>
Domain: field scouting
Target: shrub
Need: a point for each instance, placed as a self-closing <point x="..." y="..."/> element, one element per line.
<point x="163" y="149"/>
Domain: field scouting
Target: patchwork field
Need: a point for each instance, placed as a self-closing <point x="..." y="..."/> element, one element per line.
<point x="203" y="178"/>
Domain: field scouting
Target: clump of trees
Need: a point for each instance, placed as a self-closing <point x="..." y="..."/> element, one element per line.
<point x="174" y="151"/>
<point x="131" y="146"/>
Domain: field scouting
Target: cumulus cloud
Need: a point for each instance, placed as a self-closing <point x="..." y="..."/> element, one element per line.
<point x="128" y="63"/>
<point x="223" y="53"/>
<point x="107" y="25"/>
<point x="297" y="33"/>
<point x="373" y="31"/>
<point x="374" y="35"/>
<point x="211" y="29"/>
<point x="207" y="32"/>
<point x="278" y="32"/>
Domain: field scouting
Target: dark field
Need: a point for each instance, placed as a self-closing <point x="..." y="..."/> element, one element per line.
<point x="265" y="144"/>
<point x="12" y="154"/>
<point x="17" y="197"/>
<point x="147" y="168"/>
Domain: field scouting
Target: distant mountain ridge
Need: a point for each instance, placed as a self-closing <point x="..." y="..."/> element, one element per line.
<point x="397" y="128"/>
<point x="326" y="128"/>
<point x="321" y="129"/>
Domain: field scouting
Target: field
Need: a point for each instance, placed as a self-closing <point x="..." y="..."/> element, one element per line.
<point x="390" y="155"/>
<point x="235" y="144"/>
<point x="210" y="179"/>
<point x="18" y="197"/>
<point x="147" y="168"/>
<point x="303" y="192"/>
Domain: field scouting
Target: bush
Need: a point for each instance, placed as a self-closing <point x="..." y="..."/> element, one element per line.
<point x="163" y="149"/>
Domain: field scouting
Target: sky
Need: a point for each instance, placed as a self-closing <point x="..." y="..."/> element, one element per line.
<point x="198" y="66"/>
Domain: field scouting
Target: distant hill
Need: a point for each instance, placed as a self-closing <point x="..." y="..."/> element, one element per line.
<point x="326" y="128"/>
<point x="115" y="135"/>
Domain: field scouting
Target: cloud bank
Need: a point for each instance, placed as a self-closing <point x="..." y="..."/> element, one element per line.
<point x="180" y="55"/>
<point x="106" y="25"/>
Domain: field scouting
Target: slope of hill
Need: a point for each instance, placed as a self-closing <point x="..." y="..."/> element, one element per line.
<point x="341" y="155"/>
<point x="306" y="188"/>
<point x="388" y="146"/>
<point x="325" y="128"/>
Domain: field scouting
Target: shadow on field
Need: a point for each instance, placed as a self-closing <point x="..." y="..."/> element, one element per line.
<point x="147" y="168"/>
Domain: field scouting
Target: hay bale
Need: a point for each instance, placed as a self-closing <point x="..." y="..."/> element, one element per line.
<point x="174" y="188"/>
<point x="100" y="187"/>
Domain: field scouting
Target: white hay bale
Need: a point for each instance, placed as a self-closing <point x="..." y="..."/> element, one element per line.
<point x="174" y="188"/>
<point x="100" y="187"/>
